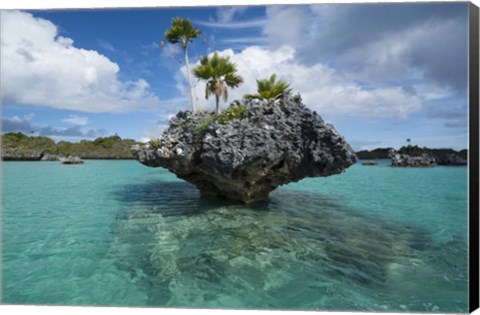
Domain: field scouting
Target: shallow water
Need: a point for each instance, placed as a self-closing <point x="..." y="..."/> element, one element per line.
<point x="118" y="233"/>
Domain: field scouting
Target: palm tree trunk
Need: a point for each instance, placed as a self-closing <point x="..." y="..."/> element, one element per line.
<point x="217" y="100"/>
<point x="189" y="79"/>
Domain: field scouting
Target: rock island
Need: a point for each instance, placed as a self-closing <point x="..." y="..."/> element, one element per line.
<point x="264" y="146"/>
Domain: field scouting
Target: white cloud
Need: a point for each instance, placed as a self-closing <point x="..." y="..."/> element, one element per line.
<point x="323" y="88"/>
<point x="378" y="42"/>
<point x="170" y="50"/>
<point x="16" y="124"/>
<point x="75" y="131"/>
<point x="76" y="120"/>
<point x="26" y="125"/>
<point x="226" y="14"/>
<point x="41" y="68"/>
<point x="153" y="129"/>
<point x="235" y="25"/>
<point x="245" y="40"/>
<point x="412" y="54"/>
<point x="106" y="45"/>
<point x="286" y="24"/>
<point x="29" y="116"/>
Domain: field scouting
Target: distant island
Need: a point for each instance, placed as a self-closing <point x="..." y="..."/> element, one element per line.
<point x="20" y="147"/>
<point x="441" y="156"/>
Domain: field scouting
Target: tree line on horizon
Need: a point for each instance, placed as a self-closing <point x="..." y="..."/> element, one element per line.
<point x="16" y="145"/>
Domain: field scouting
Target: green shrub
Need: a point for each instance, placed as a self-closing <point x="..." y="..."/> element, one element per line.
<point x="237" y="111"/>
<point x="205" y="123"/>
<point x="154" y="144"/>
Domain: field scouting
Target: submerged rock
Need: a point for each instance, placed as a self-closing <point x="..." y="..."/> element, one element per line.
<point x="245" y="159"/>
<point x="202" y="253"/>
<point x="369" y="163"/>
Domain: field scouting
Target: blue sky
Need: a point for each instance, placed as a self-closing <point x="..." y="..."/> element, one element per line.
<point x="381" y="73"/>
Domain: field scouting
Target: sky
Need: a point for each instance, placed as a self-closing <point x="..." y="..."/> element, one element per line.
<point x="380" y="73"/>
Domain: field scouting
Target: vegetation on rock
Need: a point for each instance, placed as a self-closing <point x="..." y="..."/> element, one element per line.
<point x="22" y="147"/>
<point x="379" y="153"/>
<point x="219" y="74"/>
<point x="154" y="144"/>
<point x="234" y="111"/>
<point x="270" y="89"/>
<point x="416" y="151"/>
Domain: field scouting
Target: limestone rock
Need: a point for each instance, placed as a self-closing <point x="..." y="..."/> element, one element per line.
<point x="245" y="159"/>
<point x="450" y="159"/>
<point x="405" y="160"/>
<point x="21" y="154"/>
<point x="71" y="160"/>
<point x="50" y="157"/>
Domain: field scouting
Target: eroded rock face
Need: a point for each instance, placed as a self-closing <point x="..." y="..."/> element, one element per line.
<point x="405" y="160"/>
<point x="71" y="159"/>
<point x="21" y="154"/>
<point x="245" y="159"/>
<point x="451" y="159"/>
<point x="50" y="157"/>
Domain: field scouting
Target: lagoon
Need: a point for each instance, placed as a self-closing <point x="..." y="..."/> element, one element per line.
<point x="117" y="233"/>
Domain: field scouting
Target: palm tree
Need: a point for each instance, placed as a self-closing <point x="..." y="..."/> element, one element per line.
<point x="270" y="89"/>
<point x="182" y="32"/>
<point x="220" y="74"/>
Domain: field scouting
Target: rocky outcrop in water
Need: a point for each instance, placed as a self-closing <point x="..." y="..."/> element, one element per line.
<point x="450" y="159"/>
<point x="21" y="154"/>
<point x="446" y="157"/>
<point x="369" y="163"/>
<point x="71" y="160"/>
<point x="245" y="159"/>
<point x="51" y="157"/>
<point x="405" y="160"/>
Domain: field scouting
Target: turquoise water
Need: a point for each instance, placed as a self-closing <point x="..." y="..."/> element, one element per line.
<point x="118" y="233"/>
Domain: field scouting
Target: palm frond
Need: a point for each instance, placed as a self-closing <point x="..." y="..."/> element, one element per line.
<point x="182" y="31"/>
<point x="270" y="89"/>
<point x="219" y="73"/>
<point x="204" y="72"/>
<point x="233" y="80"/>
<point x="252" y="96"/>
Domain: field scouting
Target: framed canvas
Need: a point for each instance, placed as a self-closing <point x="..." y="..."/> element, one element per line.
<point x="301" y="157"/>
